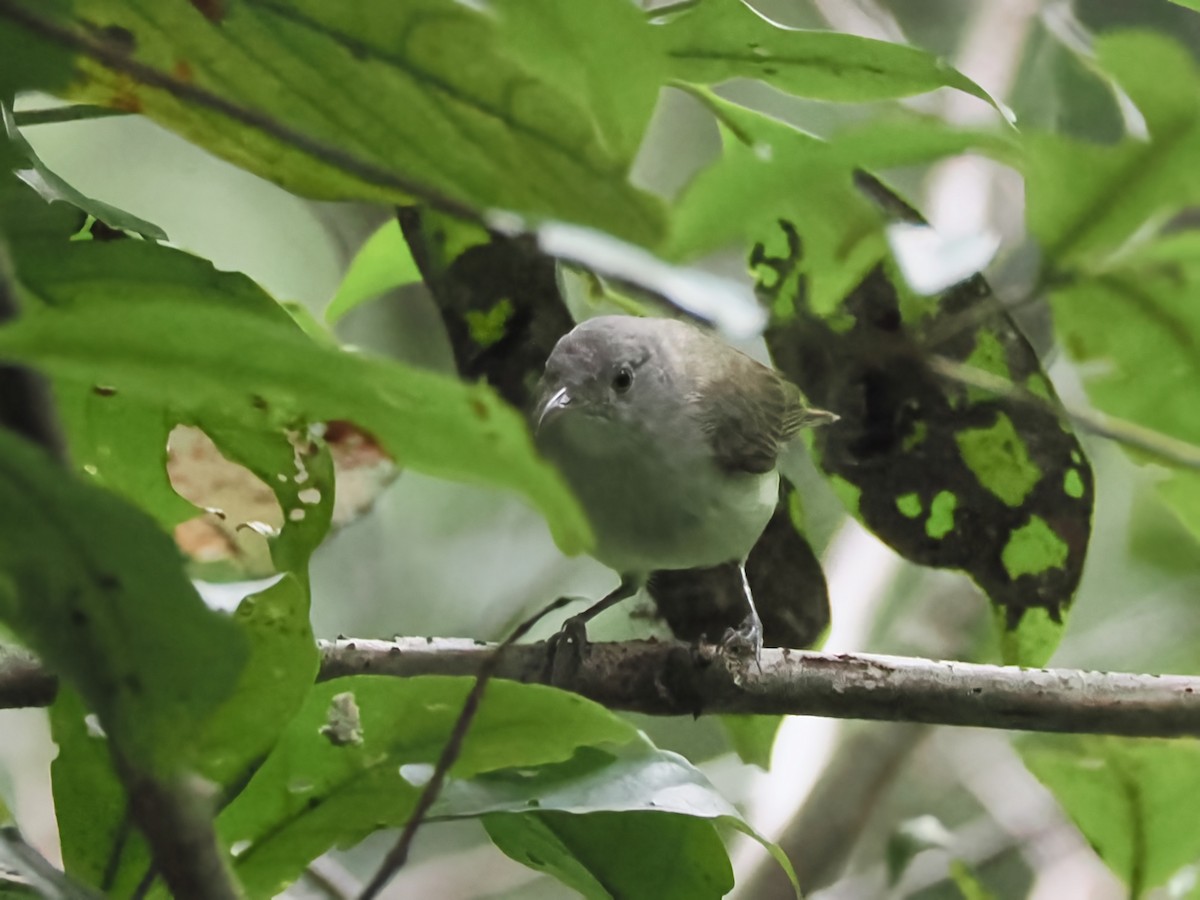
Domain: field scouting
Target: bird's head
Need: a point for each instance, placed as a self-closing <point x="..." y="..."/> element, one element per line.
<point x="609" y="374"/>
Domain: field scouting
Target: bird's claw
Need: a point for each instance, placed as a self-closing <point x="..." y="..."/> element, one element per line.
<point x="746" y="640"/>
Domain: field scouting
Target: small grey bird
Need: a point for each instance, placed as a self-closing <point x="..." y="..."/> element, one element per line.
<point x="670" y="438"/>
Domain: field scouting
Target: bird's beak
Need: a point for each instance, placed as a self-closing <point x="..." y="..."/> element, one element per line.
<point x="814" y="418"/>
<point x="554" y="404"/>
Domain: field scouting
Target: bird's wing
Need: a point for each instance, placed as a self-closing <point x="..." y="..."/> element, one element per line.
<point x="748" y="413"/>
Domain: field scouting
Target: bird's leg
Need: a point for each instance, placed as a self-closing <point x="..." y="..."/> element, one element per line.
<point x="574" y="629"/>
<point x="748" y="637"/>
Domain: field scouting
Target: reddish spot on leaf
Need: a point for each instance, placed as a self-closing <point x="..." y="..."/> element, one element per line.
<point x="213" y="10"/>
<point x="183" y="70"/>
<point x="126" y="101"/>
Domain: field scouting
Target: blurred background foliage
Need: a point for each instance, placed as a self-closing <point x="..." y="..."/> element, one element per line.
<point x="864" y="810"/>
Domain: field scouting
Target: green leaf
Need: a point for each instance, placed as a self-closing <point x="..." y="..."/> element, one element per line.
<point x="739" y="198"/>
<point x="120" y="442"/>
<point x="1136" y="324"/>
<point x="949" y="476"/>
<point x="603" y="54"/>
<point x="51" y="187"/>
<point x="382" y="263"/>
<point x="717" y="40"/>
<point x="28" y="61"/>
<point x="90" y="804"/>
<point x="1132" y="799"/>
<point x="98" y="591"/>
<point x="613" y="856"/>
<point x="1086" y="200"/>
<point x="312" y="793"/>
<point x="428" y="90"/>
<point x="166" y="327"/>
<point x="634" y="779"/>
<point x="752" y="737"/>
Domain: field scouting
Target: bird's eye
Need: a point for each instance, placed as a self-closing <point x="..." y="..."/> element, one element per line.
<point x="623" y="380"/>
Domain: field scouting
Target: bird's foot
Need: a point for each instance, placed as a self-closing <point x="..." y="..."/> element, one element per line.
<point x="746" y="640"/>
<point x="566" y="650"/>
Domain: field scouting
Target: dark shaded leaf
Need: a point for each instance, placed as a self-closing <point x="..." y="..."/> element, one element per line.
<point x="948" y="476"/>
<point x="785" y="577"/>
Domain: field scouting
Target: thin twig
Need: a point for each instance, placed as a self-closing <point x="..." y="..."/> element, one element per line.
<point x="1168" y="449"/>
<point x="114" y="59"/>
<point x="398" y="855"/>
<point x="59" y="114"/>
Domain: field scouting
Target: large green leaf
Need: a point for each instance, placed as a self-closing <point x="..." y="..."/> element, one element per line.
<point x="99" y="592"/>
<point x="1086" y="200"/>
<point x="770" y="170"/>
<point x="1134" y="800"/>
<point x="428" y="90"/>
<point x="626" y="784"/>
<point x="1136" y="322"/>
<point x="315" y="792"/>
<point x="715" y="40"/>
<point x="161" y="325"/>
<point x="614" y="856"/>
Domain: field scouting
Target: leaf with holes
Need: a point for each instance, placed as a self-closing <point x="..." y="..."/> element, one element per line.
<point x="318" y="790"/>
<point x="950" y="476"/>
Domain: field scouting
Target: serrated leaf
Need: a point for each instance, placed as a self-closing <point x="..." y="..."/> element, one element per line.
<point x="717" y="40"/>
<point x="98" y="591"/>
<point x="771" y="171"/>
<point x="427" y="90"/>
<point x="313" y="793"/>
<point x="166" y="327"/>
<point x="1132" y="799"/>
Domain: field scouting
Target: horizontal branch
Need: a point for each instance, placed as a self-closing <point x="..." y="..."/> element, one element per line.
<point x="666" y="679"/>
